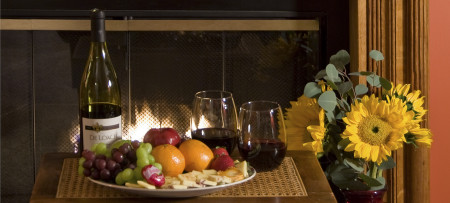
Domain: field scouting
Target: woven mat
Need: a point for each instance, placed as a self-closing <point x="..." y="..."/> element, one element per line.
<point x="282" y="182"/>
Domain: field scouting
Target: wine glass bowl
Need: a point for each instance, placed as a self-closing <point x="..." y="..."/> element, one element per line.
<point x="214" y="119"/>
<point x="262" y="135"/>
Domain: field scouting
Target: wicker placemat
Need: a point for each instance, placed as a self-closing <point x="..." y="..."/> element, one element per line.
<point x="282" y="182"/>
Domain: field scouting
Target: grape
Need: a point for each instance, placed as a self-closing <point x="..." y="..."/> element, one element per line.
<point x="118" y="157"/>
<point x="127" y="175"/>
<point x="131" y="165"/>
<point x="119" y="179"/>
<point x="111" y="165"/>
<point x="141" y="153"/>
<point x="135" y="144"/>
<point x="132" y="156"/>
<point x="87" y="172"/>
<point x="94" y="147"/>
<point x="151" y="159"/>
<point x="100" y="156"/>
<point x="89" y="155"/>
<point x="117" y="171"/>
<point x="147" y="146"/>
<point x="80" y="170"/>
<point x="142" y="162"/>
<point x="88" y="164"/>
<point x="138" y="173"/>
<point x="101" y="148"/>
<point x="95" y="174"/>
<point x="105" y="174"/>
<point x="100" y="164"/>
<point x="125" y="162"/>
<point x="125" y="148"/>
<point x="81" y="161"/>
<point x="157" y="165"/>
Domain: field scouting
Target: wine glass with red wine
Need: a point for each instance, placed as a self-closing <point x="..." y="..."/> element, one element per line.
<point x="214" y="119"/>
<point x="262" y="135"/>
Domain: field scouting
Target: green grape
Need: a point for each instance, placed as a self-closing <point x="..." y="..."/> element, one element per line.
<point x="151" y="159"/>
<point x="138" y="173"/>
<point x="94" y="147"/>
<point x="119" y="179"/>
<point x="157" y="165"/>
<point x="142" y="162"/>
<point x="141" y="153"/>
<point x="128" y="175"/>
<point x="81" y="161"/>
<point x="101" y="148"/>
<point x="80" y="170"/>
<point x="148" y="147"/>
<point x="119" y="143"/>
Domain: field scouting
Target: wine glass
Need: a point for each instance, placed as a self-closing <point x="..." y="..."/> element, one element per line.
<point x="262" y="135"/>
<point x="214" y="119"/>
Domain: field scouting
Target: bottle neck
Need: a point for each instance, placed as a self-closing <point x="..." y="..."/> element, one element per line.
<point x="98" y="33"/>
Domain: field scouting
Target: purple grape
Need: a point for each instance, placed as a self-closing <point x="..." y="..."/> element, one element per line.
<point x="100" y="156"/>
<point x="117" y="171"/>
<point x="100" y="164"/>
<point x="87" y="172"/>
<point x="88" y="164"/>
<point x="118" y="157"/>
<point x="111" y="165"/>
<point x="105" y="174"/>
<point x="89" y="155"/>
<point x="114" y="150"/>
<point x="95" y="174"/>
<point x="135" y="144"/>
<point x="131" y="165"/>
<point x="125" y="148"/>
<point x="132" y="156"/>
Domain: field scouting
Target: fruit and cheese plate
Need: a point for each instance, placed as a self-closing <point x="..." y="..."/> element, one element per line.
<point x="166" y="169"/>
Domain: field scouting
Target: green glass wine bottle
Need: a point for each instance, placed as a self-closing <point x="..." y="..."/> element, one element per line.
<point x="100" y="108"/>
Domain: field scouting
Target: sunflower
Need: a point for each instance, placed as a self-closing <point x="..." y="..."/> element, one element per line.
<point x="303" y="113"/>
<point x="317" y="132"/>
<point x="418" y="135"/>
<point x="375" y="128"/>
<point x="413" y="100"/>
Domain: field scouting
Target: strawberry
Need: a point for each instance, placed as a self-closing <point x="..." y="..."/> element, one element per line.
<point x="222" y="163"/>
<point x="219" y="151"/>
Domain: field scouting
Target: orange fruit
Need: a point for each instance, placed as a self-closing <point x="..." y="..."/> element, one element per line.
<point x="198" y="156"/>
<point x="170" y="158"/>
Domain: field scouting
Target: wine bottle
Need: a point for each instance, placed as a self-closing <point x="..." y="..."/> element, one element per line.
<point x="100" y="108"/>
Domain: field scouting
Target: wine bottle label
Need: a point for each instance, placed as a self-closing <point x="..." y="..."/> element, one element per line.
<point x="97" y="130"/>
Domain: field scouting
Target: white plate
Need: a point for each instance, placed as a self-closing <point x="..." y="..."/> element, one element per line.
<point x="172" y="193"/>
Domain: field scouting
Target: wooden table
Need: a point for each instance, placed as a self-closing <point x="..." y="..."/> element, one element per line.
<point x="316" y="185"/>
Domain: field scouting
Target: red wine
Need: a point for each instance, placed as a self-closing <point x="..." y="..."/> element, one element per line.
<point x="213" y="137"/>
<point x="263" y="154"/>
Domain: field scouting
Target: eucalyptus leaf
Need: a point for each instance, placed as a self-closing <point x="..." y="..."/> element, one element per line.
<point x="387" y="164"/>
<point x="312" y="90"/>
<point x="340" y="115"/>
<point x="371" y="182"/>
<point x="383" y="184"/>
<point x="361" y="89"/>
<point x="386" y="84"/>
<point x="349" y="173"/>
<point x="355" y="164"/>
<point x="332" y="85"/>
<point x="345" y="87"/>
<point x="374" y="80"/>
<point x="351" y="185"/>
<point x="343" y="143"/>
<point x="327" y="100"/>
<point x="330" y="116"/>
<point x="340" y="59"/>
<point x="320" y="74"/>
<point x="376" y="55"/>
<point x="332" y="73"/>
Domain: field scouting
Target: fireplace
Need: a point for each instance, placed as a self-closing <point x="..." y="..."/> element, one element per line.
<point x="159" y="72"/>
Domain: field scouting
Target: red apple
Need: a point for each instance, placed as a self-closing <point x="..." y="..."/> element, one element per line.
<point x="159" y="136"/>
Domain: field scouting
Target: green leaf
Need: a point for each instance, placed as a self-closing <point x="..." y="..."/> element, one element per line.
<point x="344" y="104"/>
<point x="388" y="164"/>
<point x="361" y="73"/>
<point x="371" y="182"/>
<point x="383" y="184"/>
<point x="340" y="59"/>
<point x="312" y="90"/>
<point x="343" y="143"/>
<point x="376" y="55"/>
<point x="320" y="74"/>
<point x="361" y="89"/>
<point x="386" y="84"/>
<point x="327" y="100"/>
<point x="374" y="80"/>
<point x="332" y="85"/>
<point x="345" y="87"/>
<point x="330" y="117"/>
<point x="332" y="73"/>
<point x="355" y="164"/>
<point x="340" y="115"/>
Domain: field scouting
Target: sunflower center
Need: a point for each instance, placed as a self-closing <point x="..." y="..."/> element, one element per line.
<point x="374" y="130"/>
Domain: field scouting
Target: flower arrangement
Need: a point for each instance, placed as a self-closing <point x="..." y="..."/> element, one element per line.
<point x="357" y="127"/>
